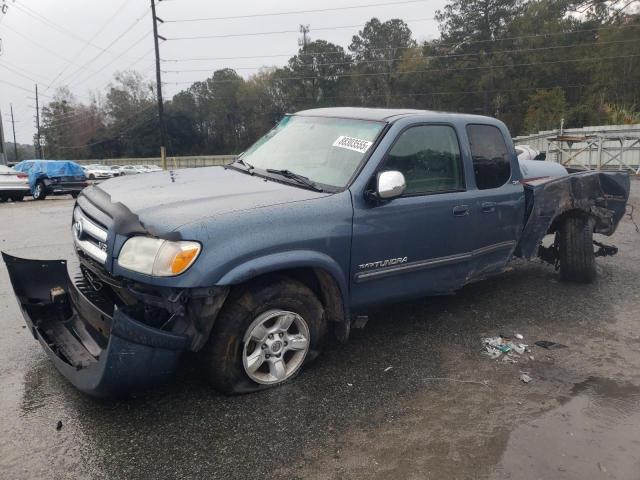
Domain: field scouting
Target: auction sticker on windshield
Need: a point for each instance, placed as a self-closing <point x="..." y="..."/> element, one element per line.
<point x="350" y="143"/>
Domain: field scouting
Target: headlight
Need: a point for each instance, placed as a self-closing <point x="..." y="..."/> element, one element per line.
<point x="160" y="258"/>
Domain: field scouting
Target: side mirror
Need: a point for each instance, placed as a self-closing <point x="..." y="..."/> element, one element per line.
<point x="391" y="184"/>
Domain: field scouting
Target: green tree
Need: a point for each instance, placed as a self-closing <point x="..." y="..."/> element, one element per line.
<point x="378" y="49"/>
<point x="546" y="109"/>
<point x="321" y="67"/>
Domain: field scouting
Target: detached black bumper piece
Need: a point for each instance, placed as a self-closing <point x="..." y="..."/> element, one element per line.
<point x="97" y="347"/>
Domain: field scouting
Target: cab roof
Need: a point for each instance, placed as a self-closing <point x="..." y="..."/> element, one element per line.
<point x="381" y="114"/>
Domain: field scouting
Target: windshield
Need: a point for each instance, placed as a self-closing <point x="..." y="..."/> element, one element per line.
<point x="326" y="150"/>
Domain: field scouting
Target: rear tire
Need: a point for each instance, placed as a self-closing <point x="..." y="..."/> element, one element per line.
<point x="40" y="192"/>
<point x="226" y="355"/>
<point x="577" y="257"/>
<point x="18" y="198"/>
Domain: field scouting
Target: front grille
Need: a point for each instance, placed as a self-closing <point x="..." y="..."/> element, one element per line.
<point x="90" y="235"/>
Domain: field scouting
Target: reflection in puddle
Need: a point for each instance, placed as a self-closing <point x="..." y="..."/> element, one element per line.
<point x="593" y="435"/>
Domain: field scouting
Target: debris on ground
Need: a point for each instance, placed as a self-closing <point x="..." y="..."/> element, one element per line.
<point x="59" y="425"/>
<point x="501" y="347"/>
<point x="525" y="378"/>
<point x="549" y="345"/>
<point x="387" y="369"/>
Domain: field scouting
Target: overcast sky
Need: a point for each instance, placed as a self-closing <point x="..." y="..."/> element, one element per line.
<point x="82" y="43"/>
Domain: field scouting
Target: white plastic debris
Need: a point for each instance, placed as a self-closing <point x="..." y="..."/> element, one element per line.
<point x="387" y="369"/>
<point x="519" y="336"/>
<point x="525" y="378"/>
<point x="502" y="348"/>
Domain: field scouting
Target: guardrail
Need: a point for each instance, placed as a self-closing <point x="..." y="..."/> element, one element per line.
<point x="172" y="162"/>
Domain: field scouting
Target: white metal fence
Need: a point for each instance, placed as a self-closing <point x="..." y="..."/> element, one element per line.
<point x="606" y="146"/>
<point x="172" y="162"/>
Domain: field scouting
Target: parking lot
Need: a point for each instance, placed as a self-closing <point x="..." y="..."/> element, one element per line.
<point x="410" y="396"/>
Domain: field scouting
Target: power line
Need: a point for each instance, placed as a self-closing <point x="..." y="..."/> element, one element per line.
<point x="420" y="47"/>
<point x="427" y="57"/>
<point x="294" y="12"/>
<point x="41" y="18"/>
<point x="18" y="72"/>
<point x="135" y="44"/>
<point x="20" y="87"/>
<point x="39" y="45"/>
<point x="479" y="67"/>
<point x="128" y="126"/>
<point x="113" y="42"/>
<point x="277" y="32"/>
<point x="88" y="42"/>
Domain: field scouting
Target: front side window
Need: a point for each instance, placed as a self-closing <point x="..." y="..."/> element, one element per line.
<point x="326" y="150"/>
<point x="491" y="163"/>
<point x="429" y="158"/>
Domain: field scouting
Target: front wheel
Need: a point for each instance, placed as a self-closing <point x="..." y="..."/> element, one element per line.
<point x="577" y="257"/>
<point x="263" y="336"/>
<point x="40" y="192"/>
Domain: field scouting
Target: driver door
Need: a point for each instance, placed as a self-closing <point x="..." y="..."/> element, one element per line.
<point x="419" y="242"/>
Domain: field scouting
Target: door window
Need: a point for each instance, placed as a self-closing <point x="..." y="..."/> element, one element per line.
<point x="491" y="163"/>
<point x="429" y="158"/>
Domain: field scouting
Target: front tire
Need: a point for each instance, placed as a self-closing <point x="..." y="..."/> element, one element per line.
<point x="264" y="334"/>
<point x="577" y="257"/>
<point x="40" y="192"/>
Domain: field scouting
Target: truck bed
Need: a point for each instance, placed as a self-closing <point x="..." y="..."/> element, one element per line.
<point x="602" y="195"/>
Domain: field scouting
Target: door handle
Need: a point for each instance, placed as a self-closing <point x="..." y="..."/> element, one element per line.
<point x="461" y="210"/>
<point x="488" y="207"/>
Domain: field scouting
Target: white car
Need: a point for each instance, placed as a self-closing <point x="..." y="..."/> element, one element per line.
<point x="152" y="168"/>
<point x="131" y="170"/>
<point x="97" y="172"/>
<point x="14" y="185"/>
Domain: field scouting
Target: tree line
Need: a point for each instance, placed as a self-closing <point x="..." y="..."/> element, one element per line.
<point x="528" y="63"/>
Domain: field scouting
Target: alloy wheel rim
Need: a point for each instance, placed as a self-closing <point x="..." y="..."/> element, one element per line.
<point x="275" y="346"/>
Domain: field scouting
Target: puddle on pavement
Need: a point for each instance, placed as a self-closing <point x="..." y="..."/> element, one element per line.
<point x="593" y="434"/>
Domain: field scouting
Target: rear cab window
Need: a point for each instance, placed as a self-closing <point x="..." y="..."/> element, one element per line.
<point x="491" y="161"/>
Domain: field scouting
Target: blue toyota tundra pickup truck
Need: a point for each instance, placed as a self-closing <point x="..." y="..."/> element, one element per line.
<point x="332" y="212"/>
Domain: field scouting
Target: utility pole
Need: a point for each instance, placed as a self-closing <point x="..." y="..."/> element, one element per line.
<point x="39" y="146"/>
<point x="13" y="126"/>
<point x="3" y="152"/>
<point x="163" y="127"/>
<point x="304" y="40"/>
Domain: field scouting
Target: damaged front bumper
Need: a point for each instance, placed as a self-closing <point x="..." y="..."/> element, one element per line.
<point x="98" y="347"/>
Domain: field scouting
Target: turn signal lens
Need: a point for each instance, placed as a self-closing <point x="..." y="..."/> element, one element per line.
<point x="183" y="259"/>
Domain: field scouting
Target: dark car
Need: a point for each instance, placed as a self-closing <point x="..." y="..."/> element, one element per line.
<point x="53" y="177"/>
<point x="332" y="212"/>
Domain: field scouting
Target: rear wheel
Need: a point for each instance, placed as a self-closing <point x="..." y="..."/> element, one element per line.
<point x="263" y="336"/>
<point x="40" y="191"/>
<point x="577" y="257"/>
<point x="18" y="198"/>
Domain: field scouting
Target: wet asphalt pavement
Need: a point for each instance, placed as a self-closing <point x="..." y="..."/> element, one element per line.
<point x="443" y="410"/>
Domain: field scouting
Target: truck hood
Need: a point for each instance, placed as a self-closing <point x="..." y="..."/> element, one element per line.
<point x="163" y="201"/>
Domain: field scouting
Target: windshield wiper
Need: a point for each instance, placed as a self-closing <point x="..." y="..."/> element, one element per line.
<point x="248" y="167"/>
<point x="297" y="177"/>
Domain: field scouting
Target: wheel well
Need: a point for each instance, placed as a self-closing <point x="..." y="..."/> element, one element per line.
<point x="318" y="280"/>
<point x="575" y="212"/>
